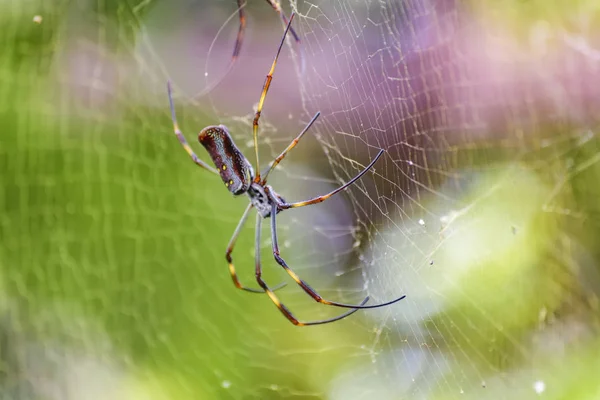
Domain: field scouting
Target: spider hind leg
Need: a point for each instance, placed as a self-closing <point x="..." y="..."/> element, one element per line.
<point x="284" y="310"/>
<point x="229" y="258"/>
<point x="304" y="285"/>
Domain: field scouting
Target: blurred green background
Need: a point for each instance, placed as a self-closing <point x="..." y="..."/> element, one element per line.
<point x="114" y="282"/>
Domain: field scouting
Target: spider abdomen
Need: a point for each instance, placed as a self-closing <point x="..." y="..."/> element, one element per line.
<point x="235" y="170"/>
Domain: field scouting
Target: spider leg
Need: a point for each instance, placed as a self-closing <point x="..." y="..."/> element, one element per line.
<point x="240" y="35"/>
<point x="242" y="28"/>
<point x="305" y="286"/>
<point x="277" y="7"/>
<point x="321" y="199"/>
<point x="229" y="259"/>
<point x="284" y="310"/>
<point x="291" y="146"/>
<point x="181" y="138"/>
<point x="263" y="96"/>
<point x="237" y="47"/>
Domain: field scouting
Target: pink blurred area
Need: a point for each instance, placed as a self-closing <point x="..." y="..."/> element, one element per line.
<point x="409" y="76"/>
<point x="448" y="75"/>
<point x="524" y="84"/>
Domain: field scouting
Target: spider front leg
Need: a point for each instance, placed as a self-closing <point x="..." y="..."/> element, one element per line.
<point x="242" y="28"/>
<point x="305" y="286"/>
<point x="281" y="156"/>
<point x="229" y="259"/>
<point x="263" y="96"/>
<point x="181" y="138"/>
<point x="277" y="7"/>
<point x="284" y="310"/>
<point x="320" y="199"/>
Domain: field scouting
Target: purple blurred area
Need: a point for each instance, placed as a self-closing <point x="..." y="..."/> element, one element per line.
<point x="394" y="75"/>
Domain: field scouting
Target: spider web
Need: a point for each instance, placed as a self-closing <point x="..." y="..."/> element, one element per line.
<point x="482" y="210"/>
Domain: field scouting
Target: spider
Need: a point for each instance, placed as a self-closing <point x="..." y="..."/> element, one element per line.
<point x="240" y="178"/>
<point x="240" y="39"/>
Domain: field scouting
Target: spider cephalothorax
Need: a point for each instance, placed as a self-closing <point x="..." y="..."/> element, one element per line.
<point x="262" y="197"/>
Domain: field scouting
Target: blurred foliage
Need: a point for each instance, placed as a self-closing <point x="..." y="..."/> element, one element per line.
<point x="112" y="252"/>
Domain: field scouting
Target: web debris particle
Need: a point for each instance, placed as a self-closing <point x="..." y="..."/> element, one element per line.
<point x="37" y="19"/>
<point x="225" y="384"/>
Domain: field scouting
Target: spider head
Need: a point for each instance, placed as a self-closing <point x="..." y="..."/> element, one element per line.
<point x="235" y="169"/>
<point x="276" y="195"/>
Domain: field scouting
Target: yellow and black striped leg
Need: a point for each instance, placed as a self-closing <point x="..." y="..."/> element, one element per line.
<point x="263" y="96"/>
<point x="284" y="310"/>
<point x="237" y="47"/>
<point x="239" y="40"/>
<point x="287" y="149"/>
<point x="305" y="286"/>
<point x="277" y="7"/>
<point x="229" y="259"/>
<point x="181" y="138"/>
<point x="321" y="199"/>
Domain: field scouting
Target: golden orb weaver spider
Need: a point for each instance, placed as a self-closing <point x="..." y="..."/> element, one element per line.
<point x="240" y="178"/>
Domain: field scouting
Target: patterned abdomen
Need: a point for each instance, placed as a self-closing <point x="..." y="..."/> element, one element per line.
<point x="234" y="168"/>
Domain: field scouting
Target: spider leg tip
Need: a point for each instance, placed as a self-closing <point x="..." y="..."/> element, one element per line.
<point x="397" y="300"/>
